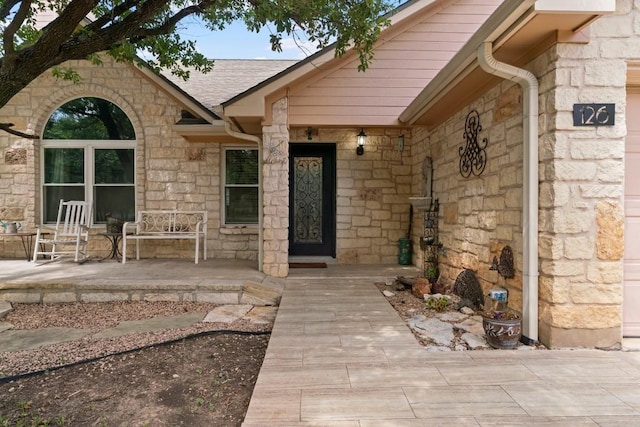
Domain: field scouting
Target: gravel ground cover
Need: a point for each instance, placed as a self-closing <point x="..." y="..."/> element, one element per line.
<point x="199" y="375"/>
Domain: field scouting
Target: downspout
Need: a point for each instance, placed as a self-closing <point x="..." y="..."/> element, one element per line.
<point x="529" y="85"/>
<point x="258" y="141"/>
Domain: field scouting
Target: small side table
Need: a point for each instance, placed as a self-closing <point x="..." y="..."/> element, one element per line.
<point x="27" y="238"/>
<point x="114" y="239"/>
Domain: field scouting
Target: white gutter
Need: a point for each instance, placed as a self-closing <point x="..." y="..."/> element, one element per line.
<point x="258" y="141"/>
<point x="529" y="85"/>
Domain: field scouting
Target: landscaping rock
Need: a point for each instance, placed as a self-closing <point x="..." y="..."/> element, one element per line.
<point x="434" y="329"/>
<point x="439" y="288"/>
<point x="387" y="293"/>
<point x="227" y="313"/>
<point x="451" y="316"/>
<point x="472" y="324"/>
<point x="467" y="310"/>
<point x="421" y="287"/>
<point x="5" y="308"/>
<point x="474" y="341"/>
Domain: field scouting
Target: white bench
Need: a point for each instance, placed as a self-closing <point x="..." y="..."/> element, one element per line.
<point x="160" y="224"/>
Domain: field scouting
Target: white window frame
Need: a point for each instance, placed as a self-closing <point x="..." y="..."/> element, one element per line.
<point x="89" y="147"/>
<point x="223" y="184"/>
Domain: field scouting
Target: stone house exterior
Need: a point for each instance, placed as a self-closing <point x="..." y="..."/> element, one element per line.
<point x="560" y="193"/>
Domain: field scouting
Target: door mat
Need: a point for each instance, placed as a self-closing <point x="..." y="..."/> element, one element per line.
<point x="307" y="265"/>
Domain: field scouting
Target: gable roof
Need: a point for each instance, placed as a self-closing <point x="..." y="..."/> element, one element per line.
<point x="228" y="78"/>
<point x="423" y="36"/>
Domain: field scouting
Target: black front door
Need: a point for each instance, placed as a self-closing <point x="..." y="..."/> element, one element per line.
<point x="312" y="199"/>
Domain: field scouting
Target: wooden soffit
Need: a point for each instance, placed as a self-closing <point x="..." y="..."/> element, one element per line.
<point x="520" y="31"/>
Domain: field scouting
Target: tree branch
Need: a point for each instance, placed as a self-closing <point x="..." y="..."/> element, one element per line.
<point x="14" y="25"/>
<point x="7" y="128"/>
<point x="132" y="27"/>
<point x="64" y="25"/>
<point x="168" y="25"/>
<point x="5" y="8"/>
<point x="115" y="12"/>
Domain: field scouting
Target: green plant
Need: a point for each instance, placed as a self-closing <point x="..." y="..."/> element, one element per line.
<point x="431" y="273"/>
<point x="24" y="415"/>
<point x="198" y="404"/>
<point x="438" y="304"/>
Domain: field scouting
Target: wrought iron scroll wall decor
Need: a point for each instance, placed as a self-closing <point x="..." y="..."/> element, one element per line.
<point x="473" y="157"/>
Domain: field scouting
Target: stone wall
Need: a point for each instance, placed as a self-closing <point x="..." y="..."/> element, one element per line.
<point x="372" y="206"/>
<point x="582" y="189"/>
<point x="481" y="214"/>
<point x="171" y="173"/>
<point x="275" y="184"/>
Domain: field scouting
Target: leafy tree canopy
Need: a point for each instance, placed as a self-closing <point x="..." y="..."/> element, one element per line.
<point x="121" y="28"/>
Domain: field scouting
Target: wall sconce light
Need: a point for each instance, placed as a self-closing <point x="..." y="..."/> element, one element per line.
<point x="309" y="133"/>
<point x="401" y="143"/>
<point x="362" y="137"/>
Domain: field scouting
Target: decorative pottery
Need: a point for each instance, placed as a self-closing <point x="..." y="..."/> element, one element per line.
<point x="502" y="333"/>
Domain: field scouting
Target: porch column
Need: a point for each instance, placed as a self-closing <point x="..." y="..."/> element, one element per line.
<point x="581" y="196"/>
<point x="275" y="186"/>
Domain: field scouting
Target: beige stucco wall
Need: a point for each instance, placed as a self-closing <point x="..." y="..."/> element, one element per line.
<point x="171" y="172"/>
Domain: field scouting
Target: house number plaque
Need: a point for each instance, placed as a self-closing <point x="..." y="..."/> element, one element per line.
<point x="594" y="114"/>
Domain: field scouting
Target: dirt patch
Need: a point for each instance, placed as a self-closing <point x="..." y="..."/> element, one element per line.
<point x="204" y="376"/>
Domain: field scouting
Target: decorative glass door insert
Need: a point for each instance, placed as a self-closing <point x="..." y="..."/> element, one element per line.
<point x="312" y="199"/>
<point x="308" y="200"/>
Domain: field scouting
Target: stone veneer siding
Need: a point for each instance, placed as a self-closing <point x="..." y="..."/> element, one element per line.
<point x="171" y="173"/>
<point x="275" y="184"/>
<point x="372" y="206"/>
<point x="581" y="188"/>
<point x="479" y="215"/>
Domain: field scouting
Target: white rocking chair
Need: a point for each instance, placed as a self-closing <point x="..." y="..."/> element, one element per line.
<point x="72" y="231"/>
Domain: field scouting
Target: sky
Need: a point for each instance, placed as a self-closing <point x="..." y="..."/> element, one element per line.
<point x="236" y="42"/>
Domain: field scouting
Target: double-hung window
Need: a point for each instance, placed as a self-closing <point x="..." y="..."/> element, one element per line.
<point x="88" y="152"/>
<point x="240" y="186"/>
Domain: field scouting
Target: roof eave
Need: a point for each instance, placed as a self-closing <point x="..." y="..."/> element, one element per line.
<point x="505" y="22"/>
<point x="210" y="132"/>
<point x="240" y="105"/>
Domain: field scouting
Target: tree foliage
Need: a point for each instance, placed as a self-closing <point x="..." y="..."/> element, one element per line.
<point x="122" y="28"/>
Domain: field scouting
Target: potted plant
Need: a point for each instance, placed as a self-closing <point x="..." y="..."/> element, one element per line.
<point x="502" y="329"/>
<point x="502" y="326"/>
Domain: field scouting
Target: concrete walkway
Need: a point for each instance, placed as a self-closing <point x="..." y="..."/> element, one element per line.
<point x="340" y="355"/>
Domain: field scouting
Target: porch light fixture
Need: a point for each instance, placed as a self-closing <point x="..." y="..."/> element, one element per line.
<point x="309" y="133"/>
<point x="362" y="137"/>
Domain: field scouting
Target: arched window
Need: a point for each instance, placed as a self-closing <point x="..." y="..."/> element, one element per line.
<point x="88" y="152"/>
